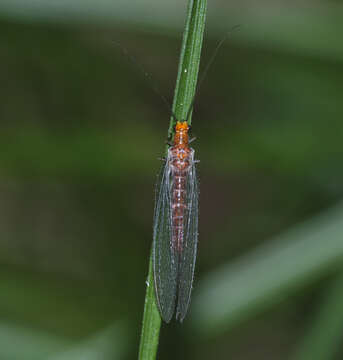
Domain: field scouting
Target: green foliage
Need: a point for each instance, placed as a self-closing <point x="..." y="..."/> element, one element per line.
<point x="80" y="135"/>
<point x="274" y="271"/>
<point x="324" y="335"/>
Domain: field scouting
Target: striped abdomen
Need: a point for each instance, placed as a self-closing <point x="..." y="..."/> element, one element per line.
<point x="180" y="169"/>
<point x="175" y="229"/>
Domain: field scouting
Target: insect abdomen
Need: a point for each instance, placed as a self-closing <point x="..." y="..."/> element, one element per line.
<point x="178" y="208"/>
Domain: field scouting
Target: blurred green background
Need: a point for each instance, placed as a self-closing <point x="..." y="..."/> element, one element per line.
<point x="80" y="136"/>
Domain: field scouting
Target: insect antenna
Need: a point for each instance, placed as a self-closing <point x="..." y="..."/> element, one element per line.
<point x="207" y="68"/>
<point x="146" y="75"/>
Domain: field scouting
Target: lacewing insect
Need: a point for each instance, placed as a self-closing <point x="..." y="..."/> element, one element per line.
<point x="175" y="226"/>
<point x="175" y="229"/>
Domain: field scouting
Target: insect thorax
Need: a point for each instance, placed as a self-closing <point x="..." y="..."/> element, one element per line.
<point x="180" y="158"/>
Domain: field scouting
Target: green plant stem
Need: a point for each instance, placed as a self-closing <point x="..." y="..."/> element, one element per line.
<point x="151" y="321"/>
<point x="183" y="98"/>
<point x="189" y="61"/>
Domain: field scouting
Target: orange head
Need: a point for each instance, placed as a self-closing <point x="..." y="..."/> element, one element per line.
<point x="181" y="126"/>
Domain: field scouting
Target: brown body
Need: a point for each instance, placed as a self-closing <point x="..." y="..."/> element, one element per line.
<point x="180" y="157"/>
<point x="175" y="229"/>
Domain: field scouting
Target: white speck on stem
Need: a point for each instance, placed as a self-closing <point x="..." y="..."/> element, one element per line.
<point x="185" y="70"/>
<point x="147" y="283"/>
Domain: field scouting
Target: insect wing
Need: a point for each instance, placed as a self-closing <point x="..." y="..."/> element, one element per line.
<point x="189" y="246"/>
<point x="165" y="258"/>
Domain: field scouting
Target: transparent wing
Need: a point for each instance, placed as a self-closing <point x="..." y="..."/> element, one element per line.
<point x="165" y="258"/>
<point x="189" y="248"/>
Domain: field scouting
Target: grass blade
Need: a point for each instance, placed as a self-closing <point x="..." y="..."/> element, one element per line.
<point x="183" y="97"/>
<point x="189" y="61"/>
<point x="151" y="321"/>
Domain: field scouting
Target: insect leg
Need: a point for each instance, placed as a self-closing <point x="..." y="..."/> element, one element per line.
<point x="192" y="139"/>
